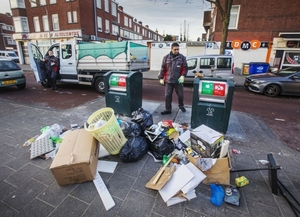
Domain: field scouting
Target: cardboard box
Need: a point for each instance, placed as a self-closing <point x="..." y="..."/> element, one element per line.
<point x="205" y="140"/>
<point x="76" y="159"/>
<point x="219" y="173"/>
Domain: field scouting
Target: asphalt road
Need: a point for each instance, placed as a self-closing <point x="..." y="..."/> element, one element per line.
<point x="281" y="114"/>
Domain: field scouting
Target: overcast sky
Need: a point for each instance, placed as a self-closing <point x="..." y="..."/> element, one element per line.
<point x="163" y="15"/>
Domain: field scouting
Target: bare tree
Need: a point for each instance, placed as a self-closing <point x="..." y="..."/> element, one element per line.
<point x="224" y="11"/>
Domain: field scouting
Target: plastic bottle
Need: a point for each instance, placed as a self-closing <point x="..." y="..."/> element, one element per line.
<point x="232" y="196"/>
<point x="30" y="141"/>
<point x="217" y="194"/>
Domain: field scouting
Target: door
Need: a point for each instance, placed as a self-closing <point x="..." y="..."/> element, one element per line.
<point x="68" y="64"/>
<point x="223" y="68"/>
<point x="35" y="58"/>
<point x="293" y="84"/>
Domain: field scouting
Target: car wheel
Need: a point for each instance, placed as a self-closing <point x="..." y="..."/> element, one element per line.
<point x="45" y="83"/>
<point x="272" y="90"/>
<point x="21" y="86"/>
<point x="99" y="85"/>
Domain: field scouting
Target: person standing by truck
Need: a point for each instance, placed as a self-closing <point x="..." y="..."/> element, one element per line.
<point x="173" y="70"/>
<point x="51" y="63"/>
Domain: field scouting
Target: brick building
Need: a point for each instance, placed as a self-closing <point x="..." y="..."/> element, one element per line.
<point x="255" y="29"/>
<point x="45" y="22"/>
<point x="6" y="32"/>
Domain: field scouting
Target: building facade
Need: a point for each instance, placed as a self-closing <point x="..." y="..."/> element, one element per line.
<point x="45" y="22"/>
<point x="7" y="30"/>
<point x="254" y="30"/>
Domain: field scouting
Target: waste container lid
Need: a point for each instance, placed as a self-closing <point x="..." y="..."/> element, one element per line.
<point x="258" y="63"/>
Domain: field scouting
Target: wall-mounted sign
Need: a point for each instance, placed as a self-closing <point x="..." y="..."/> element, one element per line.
<point x="246" y="45"/>
<point x="291" y="43"/>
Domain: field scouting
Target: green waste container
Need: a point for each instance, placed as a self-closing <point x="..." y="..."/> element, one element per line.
<point x="212" y="100"/>
<point x="123" y="91"/>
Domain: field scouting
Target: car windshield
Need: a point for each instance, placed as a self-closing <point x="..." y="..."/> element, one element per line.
<point x="12" y="54"/>
<point x="287" y="71"/>
<point x="8" y="66"/>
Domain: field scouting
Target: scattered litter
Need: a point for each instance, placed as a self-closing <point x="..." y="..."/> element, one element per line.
<point x="73" y="125"/>
<point x="30" y="141"/>
<point x="103" y="192"/>
<point x="83" y="94"/>
<point x="264" y="162"/>
<point x="33" y="88"/>
<point x="241" y="181"/>
<point x="279" y="119"/>
<point x="235" y="151"/>
<point x="62" y="92"/>
<point x="40" y="147"/>
<point x="106" y="166"/>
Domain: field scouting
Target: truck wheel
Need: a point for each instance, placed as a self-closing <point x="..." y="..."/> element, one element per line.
<point x="99" y="85"/>
<point x="45" y="83"/>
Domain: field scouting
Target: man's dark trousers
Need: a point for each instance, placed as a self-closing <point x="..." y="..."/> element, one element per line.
<point x="169" y="92"/>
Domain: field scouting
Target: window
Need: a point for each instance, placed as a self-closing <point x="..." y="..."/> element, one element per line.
<point x="143" y="32"/>
<point x="115" y="29"/>
<point x="17" y="4"/>
<point x="130" y="23"/>
<point x="114" y="9"/>
<point x="99" y="20"/>
<point x="72" y="16"/>
<point x="45" y="23"/>
<point x="52" y="1"/>
<point x="106" y="6"/>
<point x="36" y="24"/>
<point x="42" y="2"/>
<point x="32" y="4"/>
<point x="99" y="4"/>
<point x="107" y="26"/>
<point x="138" y="29"/>
<point x="125" y="21"/>
<point x="234" y="17"/>
<point x="66" y="51"/>
<point x="207" y="63"/>
<point x="224" y="63"/>
<point x="118" y="18"/>
<point x="21" y="24"/>
<point x="10" y="40"/>
<point x="55" y="21"/>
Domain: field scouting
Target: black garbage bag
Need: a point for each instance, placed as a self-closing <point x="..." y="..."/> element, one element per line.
<point x="143" y="118"/>
<point x="134" y="149"/>
<point x="130" y="129"/>
<point x="160" y="147"/>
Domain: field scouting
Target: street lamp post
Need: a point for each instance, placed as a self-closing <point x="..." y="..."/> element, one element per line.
<point x="47" y="19"/>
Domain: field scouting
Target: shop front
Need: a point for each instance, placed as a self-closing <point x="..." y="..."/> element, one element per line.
<point x="43" y="40"/>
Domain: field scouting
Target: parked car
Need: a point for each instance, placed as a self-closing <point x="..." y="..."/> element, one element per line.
<point x="11" y="55"/>
<point x="284" y="81"/>
<point x="11" y="74"/>
<point x="215" y="65"/>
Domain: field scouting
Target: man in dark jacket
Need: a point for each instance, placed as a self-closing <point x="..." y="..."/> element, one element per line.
<point x="51" y="63"/>
<point x="173" y="70"/>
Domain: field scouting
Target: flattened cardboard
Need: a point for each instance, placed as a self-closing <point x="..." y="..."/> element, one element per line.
<point x="179" y="179"/>
<point x="76" y="159"/>
<point x="219" y="173"/>
<point x="205" y="140"/>
<point x="165" y="177"/>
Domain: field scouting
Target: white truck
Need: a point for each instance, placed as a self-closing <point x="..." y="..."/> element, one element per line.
<point x="86" y="62"/>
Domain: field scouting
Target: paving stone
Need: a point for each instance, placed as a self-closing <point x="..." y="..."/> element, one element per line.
<point x="6" y="189"/>
<point x="23" y="195"/>
<point x="70" y="207"/>
<point x="162" y="209"/>
<point x="6" y="210"/>
<point x="131" y="169"/>
<point x="5" y="158"/>
<point x="41" y="162"/>
<point x="55" y="194"/>
<point x="5" y="172"/>
<point x="97" y="207"/>
<point x="258" y="209"/>
<point x="85" y="192"/>
<point x="136" y="204"/>
<point x="20" y="161"/>
<point x="45" y="176"/>
<point x="120" y="190"/>
<point x="15" y="151"/>
<point x="142" y="179"/>
<point x="36" y="208"/>
<point x="23" y="175"/>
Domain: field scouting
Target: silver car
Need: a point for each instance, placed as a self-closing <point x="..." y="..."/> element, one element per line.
<point x="284" y="81"/>
<point x="11" y="74"/>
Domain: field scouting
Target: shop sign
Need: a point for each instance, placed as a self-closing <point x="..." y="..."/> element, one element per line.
<point x="42" y="35"/>
<point x="291" y="44"/>
<point x="246" y="45"/>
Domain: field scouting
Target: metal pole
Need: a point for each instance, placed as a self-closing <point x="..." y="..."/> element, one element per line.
<point x="47" y="18"/>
